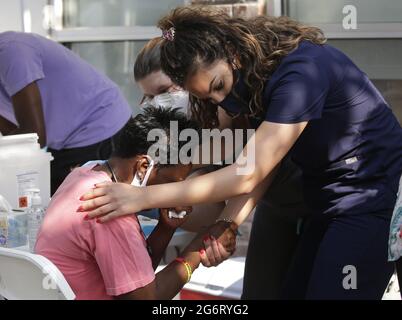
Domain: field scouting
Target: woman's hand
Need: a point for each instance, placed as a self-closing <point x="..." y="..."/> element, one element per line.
<point x="214" y="245"/>
<point x="109" y="200"/>
<point x="214" y="253"/>
<point x="219" y="243"/>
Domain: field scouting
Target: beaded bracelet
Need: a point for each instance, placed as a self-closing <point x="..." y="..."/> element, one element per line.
<point x="187" y="266"/>
<point x="228" y="220"/>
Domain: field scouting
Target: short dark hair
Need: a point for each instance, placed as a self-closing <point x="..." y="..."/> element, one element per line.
<point x="132" y="140"/>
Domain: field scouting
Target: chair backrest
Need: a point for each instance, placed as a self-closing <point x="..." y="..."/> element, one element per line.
<point x="27" y="276"/>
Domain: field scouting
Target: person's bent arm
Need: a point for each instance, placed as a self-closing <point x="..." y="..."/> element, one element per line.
<point x="202" y="215"/>
<point x="6" y="126"/>
<point x="158" y="241"/>
<point x="28" y="111"/>
<point x="163" y="232"/>
<point x="263" y="152"/>
<point x="170" y="280"/>
<point x="161" y="235"/>
<point x="237" y="210"/>
<point x="270" y="144"/>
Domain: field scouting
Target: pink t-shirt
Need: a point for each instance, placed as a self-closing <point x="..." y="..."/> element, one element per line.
<point x="99" y="261"/>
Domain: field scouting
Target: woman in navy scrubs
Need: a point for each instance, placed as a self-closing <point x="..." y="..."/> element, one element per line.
<point x="306" y="99"/>
<point x="277" y="217"/>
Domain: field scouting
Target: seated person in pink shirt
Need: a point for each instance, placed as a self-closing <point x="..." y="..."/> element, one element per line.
<point x="113" y="259"/>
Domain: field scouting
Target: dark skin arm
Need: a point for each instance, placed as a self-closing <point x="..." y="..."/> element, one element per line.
<point x="160" y="237"/>
<point x="28" y="111"/>
<point x="158" y="241"/>
<point x="169" y="281"/>
<point x="6" y="126"/>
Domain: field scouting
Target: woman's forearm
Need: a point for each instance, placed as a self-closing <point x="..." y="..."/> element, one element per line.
<point x="251" y="167"/>
<point x="239" y="208"/>
<point x="211" y="187"/>
<point x="28" y="111"/>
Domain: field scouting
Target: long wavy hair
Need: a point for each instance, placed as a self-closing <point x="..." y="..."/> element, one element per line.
<point x="256" y="46"/>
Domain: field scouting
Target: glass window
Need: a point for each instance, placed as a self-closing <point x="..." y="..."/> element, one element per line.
<point x="10" y="16"/>
<point x="330" y="11"/>
<point x="235" y="8"/>
<point x="116" y="60"/>
<point x="101" y="13"/>
<point x="379" y="58"/>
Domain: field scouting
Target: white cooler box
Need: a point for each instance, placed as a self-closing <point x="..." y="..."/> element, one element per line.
<point x="216" y="283"/>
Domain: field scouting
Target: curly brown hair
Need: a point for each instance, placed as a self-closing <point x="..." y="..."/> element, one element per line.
<point x="204" y="35"/>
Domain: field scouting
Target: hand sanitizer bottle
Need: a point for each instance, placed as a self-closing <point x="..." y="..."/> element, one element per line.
<point x="35" y="217"/>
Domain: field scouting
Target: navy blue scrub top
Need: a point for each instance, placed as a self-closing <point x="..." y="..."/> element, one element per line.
<point x="351" y="150"/>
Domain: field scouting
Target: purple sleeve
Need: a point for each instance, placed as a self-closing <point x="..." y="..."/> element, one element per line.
<point x="298" y="93"/>
<point x="20" y="65"/>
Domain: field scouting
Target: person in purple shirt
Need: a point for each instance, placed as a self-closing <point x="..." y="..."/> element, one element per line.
<point x="47" y="89"/>
<point x="307" y="100"/>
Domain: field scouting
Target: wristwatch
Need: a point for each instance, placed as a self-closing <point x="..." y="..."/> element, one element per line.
<point x="233" y="225"/>
<point x="228" y="220"/>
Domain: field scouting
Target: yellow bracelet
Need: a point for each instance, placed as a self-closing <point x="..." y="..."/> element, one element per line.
<point x="187" y="266"/>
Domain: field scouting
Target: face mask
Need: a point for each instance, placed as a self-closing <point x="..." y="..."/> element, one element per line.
<point x="94" y="163"/>
<point x="181" y="100"/>
<point x="236" y="104"/>
<point x="163" y="100"/>
<point x="177" y="215"/>
<point x="137" y="181"/>
<point x="177" y="99"/>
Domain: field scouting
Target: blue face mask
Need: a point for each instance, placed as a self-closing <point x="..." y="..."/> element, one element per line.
<point x="235" y="102"/>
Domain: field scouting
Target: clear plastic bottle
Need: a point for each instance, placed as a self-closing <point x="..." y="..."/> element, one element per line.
<point x="35" y="218"/>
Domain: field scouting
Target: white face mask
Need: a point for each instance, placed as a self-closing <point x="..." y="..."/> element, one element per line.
<point x="176" y="99"/>
<point x="137" y="181"/>
<point x="181" y="100"/>
<point x="94" y="163"/>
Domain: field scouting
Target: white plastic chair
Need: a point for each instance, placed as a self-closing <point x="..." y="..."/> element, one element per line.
<point x="27" y="276"/>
